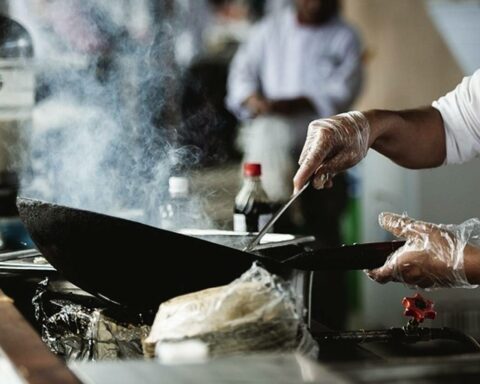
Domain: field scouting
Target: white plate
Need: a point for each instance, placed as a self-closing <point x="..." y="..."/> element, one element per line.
<point x="268" y="238"/>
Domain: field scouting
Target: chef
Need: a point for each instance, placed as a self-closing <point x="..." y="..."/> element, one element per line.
<point x="447" y="132"/>
<point x="278" y="69"/>
<point x="273" y="88"/>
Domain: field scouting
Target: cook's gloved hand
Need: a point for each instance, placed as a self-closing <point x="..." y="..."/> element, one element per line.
<point x="434" y="255"/>
<point x="333" y="145"/>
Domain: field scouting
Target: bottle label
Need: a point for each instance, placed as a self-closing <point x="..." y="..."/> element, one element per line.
<point x="239" y="222"/>
<point x="263" y="220"/>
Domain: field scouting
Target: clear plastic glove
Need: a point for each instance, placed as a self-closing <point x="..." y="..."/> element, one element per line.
<point x="332" y="146"/>
<point x="433" y="256"/>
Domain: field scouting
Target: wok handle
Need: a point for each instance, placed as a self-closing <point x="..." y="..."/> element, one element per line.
<point x="348" y="257"/>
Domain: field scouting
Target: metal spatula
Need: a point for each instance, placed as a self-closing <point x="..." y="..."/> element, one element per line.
<point x="274" y="218"/>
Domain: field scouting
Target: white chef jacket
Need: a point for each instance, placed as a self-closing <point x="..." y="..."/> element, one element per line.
<point x="285" y="59"/>
<point x="460" y="110"/>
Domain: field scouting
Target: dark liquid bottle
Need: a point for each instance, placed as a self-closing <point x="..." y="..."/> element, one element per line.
<point x="252" y="207"/>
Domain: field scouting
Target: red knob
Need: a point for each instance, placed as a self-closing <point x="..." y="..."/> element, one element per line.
<point x="419" y="308"/>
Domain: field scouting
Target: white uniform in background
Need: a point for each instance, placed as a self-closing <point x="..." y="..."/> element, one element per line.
<point x="274" y="6"/>
<point x="460" y="110"/>
<point x="283" y="59"/>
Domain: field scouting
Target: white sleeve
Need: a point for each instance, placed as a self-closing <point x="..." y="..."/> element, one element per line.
<point x="244" y="74"/>
<point x="344" y="84"/>
<point x="460" y="110"/>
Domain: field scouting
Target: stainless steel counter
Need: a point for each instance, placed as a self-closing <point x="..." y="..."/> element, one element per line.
<point x="278" y="369"/>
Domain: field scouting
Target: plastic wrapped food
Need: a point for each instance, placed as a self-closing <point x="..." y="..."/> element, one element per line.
<point x="79" y="332"/>
<point x="256" y="312"/>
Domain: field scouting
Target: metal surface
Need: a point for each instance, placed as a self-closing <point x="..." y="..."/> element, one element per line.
<point x="437" y="370"/>
<point x="283" y="369"/>
<point x="239" y="240"/>
<point x="27" y="267"/>
<point x="256" y="368"/>
<point x="25" y="262"/>
<point x="18" y="255"/>
<point x="274" y="219"/>
<point x="399" y="335"/>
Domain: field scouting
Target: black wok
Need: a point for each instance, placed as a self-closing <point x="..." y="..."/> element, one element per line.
<point x="139" y="265"/>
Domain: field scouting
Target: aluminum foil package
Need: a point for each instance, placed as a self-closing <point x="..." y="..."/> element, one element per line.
<point x="80" y="332"/>
<point x="255" y="313"/>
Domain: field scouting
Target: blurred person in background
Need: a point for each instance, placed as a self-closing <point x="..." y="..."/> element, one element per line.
<point x="447" y="132"/>
<point x="300" y="62"/>
<point x="208" y="35"/>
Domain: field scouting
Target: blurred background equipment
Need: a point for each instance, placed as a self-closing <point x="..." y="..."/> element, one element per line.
<point x="17" y="94"/>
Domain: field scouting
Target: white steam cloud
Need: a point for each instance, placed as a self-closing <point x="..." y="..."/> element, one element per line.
<point x="104" y="132"/>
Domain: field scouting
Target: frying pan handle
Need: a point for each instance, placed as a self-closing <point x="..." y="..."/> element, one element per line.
<point x="349" y="257"/>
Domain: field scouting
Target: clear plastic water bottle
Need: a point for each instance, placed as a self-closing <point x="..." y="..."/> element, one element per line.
<point x="175" y="213"/>
<point x="252" y="209"/>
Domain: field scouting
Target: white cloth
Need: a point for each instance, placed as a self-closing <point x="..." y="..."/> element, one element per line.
<point x="460" y="110"/>
<point x="284" y="59"/>
<point x="273" y="6"/>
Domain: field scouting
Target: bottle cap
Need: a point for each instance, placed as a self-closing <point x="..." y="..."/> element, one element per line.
<point x="178" y="185"/>
<point x="252" y="169"/>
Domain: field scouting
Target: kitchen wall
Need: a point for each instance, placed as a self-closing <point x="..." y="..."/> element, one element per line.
<point x="407" y="64"/>
<point x="458" y="23"/>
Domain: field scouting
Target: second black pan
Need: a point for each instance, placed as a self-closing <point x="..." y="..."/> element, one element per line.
<point x="139" y="265"/>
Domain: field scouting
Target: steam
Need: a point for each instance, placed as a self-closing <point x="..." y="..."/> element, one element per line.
<point x="105" y="134"/>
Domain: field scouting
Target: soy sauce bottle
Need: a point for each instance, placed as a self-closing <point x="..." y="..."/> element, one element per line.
<point x="252" y="206"/>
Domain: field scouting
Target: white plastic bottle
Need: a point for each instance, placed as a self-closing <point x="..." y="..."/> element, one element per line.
<point x="175" y="212"/>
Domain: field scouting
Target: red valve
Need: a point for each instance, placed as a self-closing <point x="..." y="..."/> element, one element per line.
<point x="419" y="308"/>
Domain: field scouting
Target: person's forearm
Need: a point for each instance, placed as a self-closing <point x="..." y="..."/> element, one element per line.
<point x="413" y="138"/>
